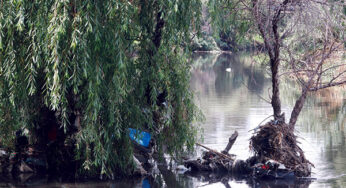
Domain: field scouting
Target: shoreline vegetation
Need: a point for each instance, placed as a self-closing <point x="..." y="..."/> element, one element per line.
<point x="76" y="76"/>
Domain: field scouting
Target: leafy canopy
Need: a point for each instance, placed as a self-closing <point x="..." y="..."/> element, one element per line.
<point x="106" y="61"/>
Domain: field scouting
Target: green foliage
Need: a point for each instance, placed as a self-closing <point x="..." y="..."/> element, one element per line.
<point x="231" y="30"/>
<point x="204" y="43"/>
<point x="99" y="58"/>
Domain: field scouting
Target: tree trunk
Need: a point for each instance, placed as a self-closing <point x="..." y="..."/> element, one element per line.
<point x="272" y="43"/>
<point x="158" y="30"/>
<point x="275" y="101"/>
<point x="297" y="108"/>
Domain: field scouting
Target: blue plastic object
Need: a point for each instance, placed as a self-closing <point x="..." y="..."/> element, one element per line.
<point x="141" y="137"/>
<point x="145" y="183"/>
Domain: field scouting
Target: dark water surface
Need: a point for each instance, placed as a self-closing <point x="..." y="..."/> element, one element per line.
<point x="228" y="89"/>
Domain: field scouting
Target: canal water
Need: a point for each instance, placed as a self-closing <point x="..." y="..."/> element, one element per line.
<point x="231" y="90"/>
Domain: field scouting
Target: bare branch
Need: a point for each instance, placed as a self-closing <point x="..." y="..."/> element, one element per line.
<point x="328" y="85"/>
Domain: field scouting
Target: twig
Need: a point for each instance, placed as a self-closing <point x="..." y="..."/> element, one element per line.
<point x="216" y="152"/>
<point x="260" y="123"/>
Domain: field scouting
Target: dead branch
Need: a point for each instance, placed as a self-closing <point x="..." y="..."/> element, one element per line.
<point x="328" y="85"/>
<point x="231" y="141"/>
<point x="215" y="152"/>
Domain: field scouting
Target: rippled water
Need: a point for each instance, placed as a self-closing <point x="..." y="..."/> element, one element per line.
<point x="228" y="90"/>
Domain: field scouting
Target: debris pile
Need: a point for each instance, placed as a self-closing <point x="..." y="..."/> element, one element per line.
<point x="277" y="156"/>
<point x="24" y="159"/>
<point x="4" y="160"/>
<point x="214" y="161"/>
<point x="28" y="161"/>
<point x="276" y="141"/>
<point x="211" y="162"/>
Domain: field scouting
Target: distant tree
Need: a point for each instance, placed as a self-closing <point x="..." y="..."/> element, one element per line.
<point x="93" y="69"/>
<point x="229" y="25"/>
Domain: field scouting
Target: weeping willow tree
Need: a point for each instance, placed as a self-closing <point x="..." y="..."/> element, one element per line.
<point x="93" y="69"/>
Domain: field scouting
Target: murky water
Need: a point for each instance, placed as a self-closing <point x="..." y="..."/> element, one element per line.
<point x="228" y="90"/>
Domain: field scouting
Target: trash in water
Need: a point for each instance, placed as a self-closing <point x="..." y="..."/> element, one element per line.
<point x="141" y="137"/>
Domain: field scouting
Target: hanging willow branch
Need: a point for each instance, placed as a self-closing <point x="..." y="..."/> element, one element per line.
<point x="74" y="58"/>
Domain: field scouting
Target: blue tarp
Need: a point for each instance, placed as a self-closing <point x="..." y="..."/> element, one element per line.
<point x="141" y="137"/>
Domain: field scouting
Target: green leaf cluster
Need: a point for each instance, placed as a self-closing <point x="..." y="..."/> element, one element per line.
<point x="232" y="31"/>
<point x="106" y="61"/>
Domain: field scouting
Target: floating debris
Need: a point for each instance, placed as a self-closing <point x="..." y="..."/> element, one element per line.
<point x="276" y="141"/>
<point x="214" y="161"/>
<point x="277" y="156"/>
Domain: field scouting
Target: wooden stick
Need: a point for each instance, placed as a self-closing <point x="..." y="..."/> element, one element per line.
<point x="216" y="152"/>
<point x="231" y="141"/>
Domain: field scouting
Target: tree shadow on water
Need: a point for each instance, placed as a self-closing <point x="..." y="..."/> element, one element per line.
<point x="232" y="73"/>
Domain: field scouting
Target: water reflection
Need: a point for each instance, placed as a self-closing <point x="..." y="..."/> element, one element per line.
<point x="230" y="102"/>
<point x="225" y="81"/>
<point x="233" y="180"/>
<point x="172" y="180"/>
